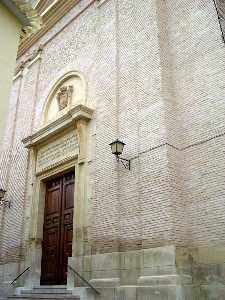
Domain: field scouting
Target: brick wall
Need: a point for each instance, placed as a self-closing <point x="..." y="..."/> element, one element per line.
<point x="155" y="73"/>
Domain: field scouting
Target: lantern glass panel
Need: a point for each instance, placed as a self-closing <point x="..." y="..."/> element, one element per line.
<point x="113" y="148"/>
<point x="120" y="147"/>
<point x="2" y="193"/>
<point x="117" y="147"/>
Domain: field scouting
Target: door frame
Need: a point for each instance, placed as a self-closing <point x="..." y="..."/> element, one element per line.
<point x="77" y="120"/>
<point x="34" y="244"/>
<point x="63" y="183"/>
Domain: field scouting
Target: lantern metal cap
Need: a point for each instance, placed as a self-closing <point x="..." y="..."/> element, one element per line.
<point x="117" y="140"/>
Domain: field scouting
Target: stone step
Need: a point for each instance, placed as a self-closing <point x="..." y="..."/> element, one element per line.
<point x="46" y="291"/>
<point x="49" y="287"/>
<point x="43" y="296"/>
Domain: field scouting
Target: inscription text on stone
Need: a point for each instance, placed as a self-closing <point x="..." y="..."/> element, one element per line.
<point x="62" y="149"/>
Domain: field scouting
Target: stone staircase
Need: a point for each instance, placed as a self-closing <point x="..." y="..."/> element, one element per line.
<point x="44" y="292"/>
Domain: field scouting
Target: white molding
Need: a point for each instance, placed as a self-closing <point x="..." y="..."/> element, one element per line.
<point x="18" y="74"/>
<point x="34" y="60"/>
<point x="101" y="2"/>
<point x="48" y="8"/>
<point x="36" y="4"/>
<point x="27" y="65"/>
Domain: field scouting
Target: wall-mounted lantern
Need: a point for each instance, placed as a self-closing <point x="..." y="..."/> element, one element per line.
<point x="117" y="149"/>
<point x="3" y="202"/>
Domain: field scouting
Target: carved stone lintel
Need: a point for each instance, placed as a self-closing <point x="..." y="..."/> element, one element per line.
<point x="77" y="113"/>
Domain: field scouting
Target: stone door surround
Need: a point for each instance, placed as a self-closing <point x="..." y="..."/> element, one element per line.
<point x="56" y="148"/>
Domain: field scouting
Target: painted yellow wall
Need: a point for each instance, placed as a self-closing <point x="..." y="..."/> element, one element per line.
<point x="9" y="40"/>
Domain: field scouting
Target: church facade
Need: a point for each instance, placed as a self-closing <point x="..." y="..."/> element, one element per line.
<point x="151" y="74"/>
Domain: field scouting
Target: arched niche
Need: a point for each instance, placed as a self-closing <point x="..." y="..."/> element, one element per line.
<point x="68" y="92"/>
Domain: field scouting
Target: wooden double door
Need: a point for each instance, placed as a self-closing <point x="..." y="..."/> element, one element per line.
<point x="57" y="229"/>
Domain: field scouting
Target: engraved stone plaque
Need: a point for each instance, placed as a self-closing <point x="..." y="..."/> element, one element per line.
<point x="57" y="152"/>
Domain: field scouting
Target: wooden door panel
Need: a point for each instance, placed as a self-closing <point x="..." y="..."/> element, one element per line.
<point x="51" y="232"/>
<point x="58" y="229"/>
<point x="67" y="223"/>
<point x="52" y="202"/>
<point x="52" y="221"/>
<point x="50" y="255"/>
<point x="68" y="197"/>
<point x="68" y="238"/>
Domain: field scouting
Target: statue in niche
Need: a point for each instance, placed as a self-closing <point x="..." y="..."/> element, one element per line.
<point x="64" y="95"/>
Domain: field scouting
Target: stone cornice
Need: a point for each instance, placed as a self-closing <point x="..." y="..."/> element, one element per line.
<point x="79" y="112"/>
<point x="28" y="16"/>
<point x="49" y="20"/>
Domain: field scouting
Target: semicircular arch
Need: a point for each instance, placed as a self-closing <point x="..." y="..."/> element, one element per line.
<point x="68" y="91"/>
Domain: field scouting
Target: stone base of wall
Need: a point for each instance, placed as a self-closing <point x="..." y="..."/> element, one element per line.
<point x="150" y="274"/>
<point x="154" y="293"/>
<point x="5" y="290"/>
<point x="160" y="273"/>
<point x="8" y="272"/>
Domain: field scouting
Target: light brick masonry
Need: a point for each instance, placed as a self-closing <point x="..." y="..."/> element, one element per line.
<point x="155" y="73"/>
